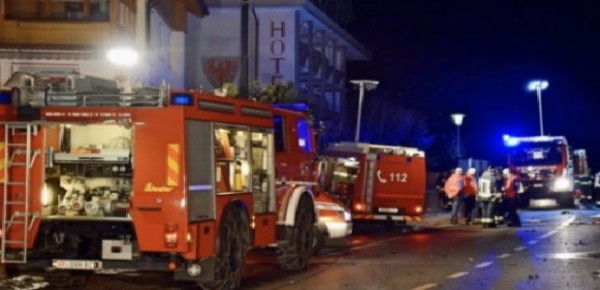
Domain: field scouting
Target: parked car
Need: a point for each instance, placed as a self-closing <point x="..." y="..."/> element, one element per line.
<point x="334" y="222"/>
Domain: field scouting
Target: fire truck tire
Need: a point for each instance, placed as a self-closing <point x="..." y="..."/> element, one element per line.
<point x="297" y="248"/>
<point x="233" y="245"/>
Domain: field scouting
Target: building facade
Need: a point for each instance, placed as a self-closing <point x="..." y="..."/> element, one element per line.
<point x="74" y="35"/>
<point x="179" y="42"/>
<point x="290" y="40"/>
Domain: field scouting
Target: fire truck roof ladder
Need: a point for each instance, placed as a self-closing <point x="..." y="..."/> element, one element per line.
<point x="17" y="153"/>
<point x="75" y="90"/>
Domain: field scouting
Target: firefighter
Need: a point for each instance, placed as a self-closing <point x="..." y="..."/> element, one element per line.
<point x="487" y="195"/>
<point x="469" y="191"/>
<point x="453" y="189"/>
<point x="511" y="188"/>
<point x="499" y="208"/>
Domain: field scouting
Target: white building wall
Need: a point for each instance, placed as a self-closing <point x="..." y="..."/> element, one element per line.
<point x="177" y="59"/>
<point x="165" y="57"/>
<point x="214" y="47"/>
<point x="158" y="51"/>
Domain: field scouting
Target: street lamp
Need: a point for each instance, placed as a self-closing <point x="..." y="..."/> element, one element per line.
<point x="457" y="119"/>
<point x="122" y="57"/>
<point x="539" y="86"/>
<point x="362" y="85"/>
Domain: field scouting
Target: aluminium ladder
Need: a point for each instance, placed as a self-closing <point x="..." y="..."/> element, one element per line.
<point x="18" y="152"/>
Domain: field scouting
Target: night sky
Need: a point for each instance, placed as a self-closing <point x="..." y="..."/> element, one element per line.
<point x="476" y="57"/>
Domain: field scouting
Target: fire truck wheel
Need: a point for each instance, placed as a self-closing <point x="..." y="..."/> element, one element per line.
<point x="233" y="245"/>
<point x="298" y="247"/>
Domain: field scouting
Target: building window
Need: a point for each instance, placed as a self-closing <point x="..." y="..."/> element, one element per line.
<point x="74" y="9"/>
<point x="79" y="10"/>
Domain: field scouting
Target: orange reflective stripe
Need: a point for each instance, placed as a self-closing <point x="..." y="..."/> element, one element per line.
<point x="173" y="160"/>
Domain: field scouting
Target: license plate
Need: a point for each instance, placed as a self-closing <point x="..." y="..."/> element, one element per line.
<point x="538" y="185"/>
<point x="77" y="264"/>
<point x="388" y="209"/>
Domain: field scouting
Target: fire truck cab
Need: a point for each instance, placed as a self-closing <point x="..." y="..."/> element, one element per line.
<point x="95" y="178"/>
<point x="377" y="182"/>
<point x="334" y="221"/>
<point x="544" y="166"/>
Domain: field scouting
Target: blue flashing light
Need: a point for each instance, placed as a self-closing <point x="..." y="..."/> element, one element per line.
<point x="505" y="137"/>
<point x="182" y="100"/>
<point x="298" y="107"/>
<point x="5" y="97"/>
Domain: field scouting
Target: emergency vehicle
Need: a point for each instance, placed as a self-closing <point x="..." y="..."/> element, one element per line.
<point x="97" y="178"/>
<point x="544" y="167"/>
<point x="334" y="220"/>
<point x="377" y="182"/>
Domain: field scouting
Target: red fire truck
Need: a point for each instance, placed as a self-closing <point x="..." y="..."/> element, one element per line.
<point x="544" y="166"/>
<point x="95" y="179"/>
<point x="334" y="221"/>
<point x="378" y="182"/>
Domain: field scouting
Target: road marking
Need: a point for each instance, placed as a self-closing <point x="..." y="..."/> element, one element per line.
<point x="426" y="286"/>
<point x="567" y="222"/>
<point x="484" y="264"/>
<point x="518" y="249"/>
<point x="503" y="256"/>
<point x="458" y="275"/>
<point x="532" y="242"/>
<point x="548" y="234"/>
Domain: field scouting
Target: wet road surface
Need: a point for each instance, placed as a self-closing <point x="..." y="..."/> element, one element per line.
<point x="554" y="249"/>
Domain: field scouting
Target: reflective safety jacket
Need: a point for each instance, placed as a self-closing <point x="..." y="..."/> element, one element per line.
<point x="470" y="186"/>
<point x="454" y="185"/>
<point x="486" y="186"/>
<point x="511" y="186"/>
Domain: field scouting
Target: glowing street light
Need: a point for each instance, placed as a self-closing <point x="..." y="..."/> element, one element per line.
<point x="362" y="85"/>
<point x="539" y="86"/>
<point x="457" y="119"/>
<point x="122" y="56"/>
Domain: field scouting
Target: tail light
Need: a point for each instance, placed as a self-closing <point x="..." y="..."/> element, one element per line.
<point x="171" y="235"/>
<point x="359" y="206"/>
<point x="418" y="209"/>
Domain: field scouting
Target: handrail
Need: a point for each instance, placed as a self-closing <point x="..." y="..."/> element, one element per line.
<point x="103" y="100"/>
<point x="74" y="90"/>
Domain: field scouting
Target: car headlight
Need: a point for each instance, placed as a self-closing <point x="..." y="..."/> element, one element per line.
<point x="562" y="184"/>
<point x="345" y="215"/>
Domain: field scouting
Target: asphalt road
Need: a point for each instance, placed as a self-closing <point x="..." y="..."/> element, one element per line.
<point x="554" y="249"/>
